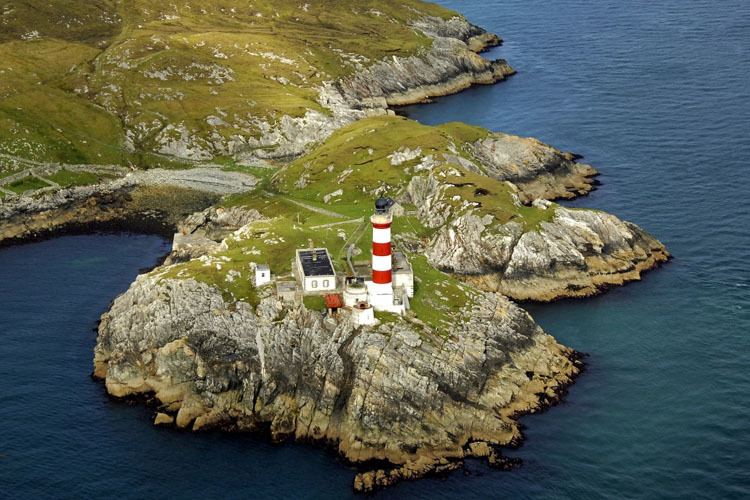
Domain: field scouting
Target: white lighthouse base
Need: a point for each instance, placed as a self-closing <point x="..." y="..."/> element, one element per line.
<point x="363" y="315"/>
<point x="383" y="298"/>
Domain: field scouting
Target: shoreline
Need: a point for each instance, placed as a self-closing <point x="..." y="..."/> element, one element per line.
<point x="376" y="467"/>
<point x="559" y="367"/>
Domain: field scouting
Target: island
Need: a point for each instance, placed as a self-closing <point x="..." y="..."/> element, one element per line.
<point x="339" y="274"/>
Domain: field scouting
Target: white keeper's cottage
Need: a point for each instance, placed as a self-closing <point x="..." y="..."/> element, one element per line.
<point x="313" y="268"/>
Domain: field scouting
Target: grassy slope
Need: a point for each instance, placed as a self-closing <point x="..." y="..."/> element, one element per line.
<point x="74" y="78"/>
<point x="356" y="159"/>
<point x="26" y="184"/>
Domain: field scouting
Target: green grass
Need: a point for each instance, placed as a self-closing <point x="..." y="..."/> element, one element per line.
<point x="357" y="159"/>
<point x="39" y="118"/>
<point x="26" y="184"/>
<point x="9" y="169"/>
<point x="362" y="148"/>
<point x="277" y="206"/>
<point x="92" y="21"/>
<point x="386" y="317"/>
<point x="314" y="302"/>
<point x="234" y="287"/>
<point x="439" y="298"/>
<point x="75" y="78"/>
<point x="67" y="178"/>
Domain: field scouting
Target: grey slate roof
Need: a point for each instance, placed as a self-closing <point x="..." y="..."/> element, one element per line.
<point x="321" y="266"/>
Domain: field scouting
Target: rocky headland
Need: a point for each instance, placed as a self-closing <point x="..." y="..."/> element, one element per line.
<point x="578" y="253"/>
<point x="408" y="397"/>
<point x="420" y="401"/>
<point x="249" y="146"/>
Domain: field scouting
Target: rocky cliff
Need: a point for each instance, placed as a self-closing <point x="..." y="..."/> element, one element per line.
<point x="538" y="170"/>
<point x="296" y="88"/>
<point x="576" y="254"/>
<point x="153" y="201"/>
<point x="398" y="393"/>
<point x="450" y="65"/>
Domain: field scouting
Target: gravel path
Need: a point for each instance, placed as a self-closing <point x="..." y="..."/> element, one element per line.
<point x="312" y="208"/>
<point x="206" y="179"/>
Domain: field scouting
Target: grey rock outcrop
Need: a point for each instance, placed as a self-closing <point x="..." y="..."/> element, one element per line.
<point x="455" y="27"/>
<point x="154" y="200"/>
<point x="537" y="169"/>
<point x="449" y="66"/>
<point x="217" y="222"/>
<point x="202" y="233"/>
<point x="469" y="245"/>
<point x="578" y="253"/>
<point x="419" y="400"/>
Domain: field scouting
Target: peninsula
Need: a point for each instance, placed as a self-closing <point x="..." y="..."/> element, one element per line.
<point x="259" y="135"/>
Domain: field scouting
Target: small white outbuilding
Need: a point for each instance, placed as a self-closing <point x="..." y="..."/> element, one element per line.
<point x="262" y="274"/>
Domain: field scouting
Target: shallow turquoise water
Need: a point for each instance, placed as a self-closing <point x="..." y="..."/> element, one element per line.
<point x="655" y="95"/>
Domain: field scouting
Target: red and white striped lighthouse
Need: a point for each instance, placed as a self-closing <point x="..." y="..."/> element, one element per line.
<point x="382" y="263"/>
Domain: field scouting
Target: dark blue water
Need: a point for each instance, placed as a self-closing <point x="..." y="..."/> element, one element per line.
<point x="62" y="436"/>
<point x="655" y="95"/>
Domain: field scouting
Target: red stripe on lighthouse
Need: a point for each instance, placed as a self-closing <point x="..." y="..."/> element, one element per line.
<point x="381" y="277"/>
<point x="382" y="249"/>
<point x="375" y="225"/>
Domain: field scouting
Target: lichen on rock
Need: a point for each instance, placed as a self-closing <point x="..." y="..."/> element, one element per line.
<point x="475" y="213"/>
<point x="419" y="400"/>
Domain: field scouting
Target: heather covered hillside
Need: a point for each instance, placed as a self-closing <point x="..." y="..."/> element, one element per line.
<point x="140" y="81"/>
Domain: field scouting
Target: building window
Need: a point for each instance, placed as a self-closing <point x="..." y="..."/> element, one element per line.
<point x="325" y="283"/>
<point x="314" y="284"/>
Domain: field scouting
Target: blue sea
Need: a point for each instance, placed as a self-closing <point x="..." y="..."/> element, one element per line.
<point x="655" y="94"/>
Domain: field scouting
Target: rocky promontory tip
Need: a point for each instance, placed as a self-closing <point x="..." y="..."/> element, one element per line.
<point x="578" y="253"/>
<point x="396" y="393"/>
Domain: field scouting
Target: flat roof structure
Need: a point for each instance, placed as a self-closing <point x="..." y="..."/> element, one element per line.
<point x="315" y="262"/>
<point x="286" y="286"/>
<point x="401" y="263"/>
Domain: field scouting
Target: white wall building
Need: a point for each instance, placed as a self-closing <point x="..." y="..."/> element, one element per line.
<point x="363" y="314"/>
<point x="314" y="270"/>
<point x="262" y="274"/>
<point x="403" y="276"/>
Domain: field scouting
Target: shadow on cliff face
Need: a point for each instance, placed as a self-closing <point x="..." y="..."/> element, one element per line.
<point x="143" y="209"/>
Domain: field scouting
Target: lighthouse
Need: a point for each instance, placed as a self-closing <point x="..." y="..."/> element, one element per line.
<point x="381" y="292"/>
<point x="382" y="261"/>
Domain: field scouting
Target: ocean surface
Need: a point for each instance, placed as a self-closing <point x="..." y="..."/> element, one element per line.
<point x="655" y="94"/>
